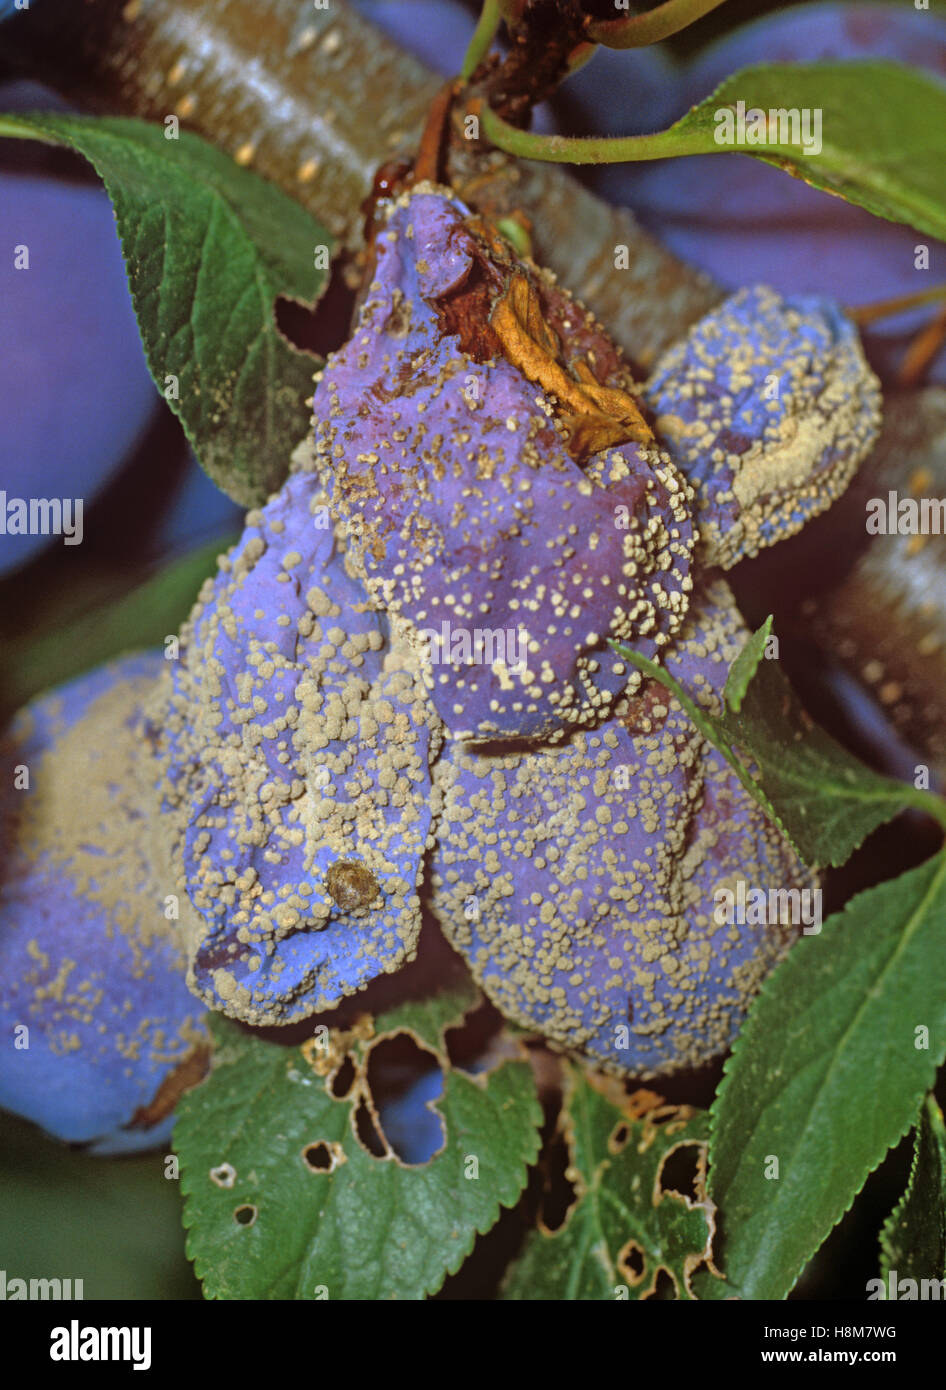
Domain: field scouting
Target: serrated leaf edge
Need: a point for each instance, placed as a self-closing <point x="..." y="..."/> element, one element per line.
<point x="741" y="1042"/>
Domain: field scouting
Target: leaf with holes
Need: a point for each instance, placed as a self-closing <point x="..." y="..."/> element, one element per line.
<point x="641" y="1223"/>
<point x="429" y="1018"/>
<point x="913" y="1238"/>
<point x="208" y="247"/>
<point x="283" y="1200"/>
<point x="826" y="1075"/>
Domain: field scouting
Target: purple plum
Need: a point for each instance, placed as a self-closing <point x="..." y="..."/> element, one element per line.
<point x="95" y="1014"/>
<point x="296" y="746"/>
<point x="581" y="882"/>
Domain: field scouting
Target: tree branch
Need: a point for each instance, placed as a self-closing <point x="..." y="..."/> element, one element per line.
<point x="315" y="100"/>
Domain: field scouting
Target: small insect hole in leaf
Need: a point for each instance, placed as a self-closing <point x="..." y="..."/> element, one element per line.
<point x="619" y="1137"/>
<point x="664" y="1290"/>
<point x="631" y="1262"/>
<point x="404" y="1080"/>
<point x="667" y="1115"/>
<point x="367" y="1134"/>
<point x="245" y="1215"/>
<point x="681" y="1172"/>
<point x="342" y="1080"/>
<point x="323" y="1157"/>
<point x="224" y="1175"/>
<point x="559" y="1194"/>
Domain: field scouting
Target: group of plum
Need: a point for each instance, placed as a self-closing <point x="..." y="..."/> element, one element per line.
<point x="275" y="812"/>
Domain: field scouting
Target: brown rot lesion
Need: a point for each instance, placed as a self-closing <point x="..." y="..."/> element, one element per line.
<point x="351" y="885"/>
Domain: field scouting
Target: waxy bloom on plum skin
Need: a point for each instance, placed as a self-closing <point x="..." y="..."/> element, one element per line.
<point x="295" y="744"/>
<point x="94" y="1010"/>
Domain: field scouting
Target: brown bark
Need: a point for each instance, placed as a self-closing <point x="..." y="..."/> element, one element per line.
<point x="315" y="100"/>
<point x="886" y="622"/>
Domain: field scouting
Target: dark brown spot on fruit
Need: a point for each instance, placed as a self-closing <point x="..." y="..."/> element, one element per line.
<point x="351" y="885"/>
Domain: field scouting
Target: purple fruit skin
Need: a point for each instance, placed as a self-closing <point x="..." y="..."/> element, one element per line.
<point x="585" y="906"/>
<point x="197" y="512"/>
<point x="107" y="1008"/>
<point x="75" y="393"/>
<point x="274" y="962"/>
<point x="784" y="377"/>
<point x="470" y="511"/>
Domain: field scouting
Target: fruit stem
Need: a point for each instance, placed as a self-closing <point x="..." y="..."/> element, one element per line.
<point x="589" y="149"/>
<point x="641" y="29"/>
<point x="921" y="352"/>
<point x="483" y="36"/>
<point x="869" y="313"/>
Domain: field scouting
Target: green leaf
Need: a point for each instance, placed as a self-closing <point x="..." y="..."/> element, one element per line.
<point x="882" y="140"/>
<point x="629" y="1221"/>
<point x="913" y="1238"/>
<point x="825" y="800"/>
<point x="883" y="132"/>
<point x="826" y="1075"/>
<point x="745" y="666"/>
<point x="369" y="1228"/>
<point x="208" y="247"/>
<point x="140" y="619"/>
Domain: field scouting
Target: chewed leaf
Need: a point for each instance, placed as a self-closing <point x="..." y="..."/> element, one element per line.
<point x="317" y="1203"/>
<point x="429" y="1019"/>
<point x="641" y="1224"/>
<point x="913" y="1238"/>
<point x="208" y="247"/>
